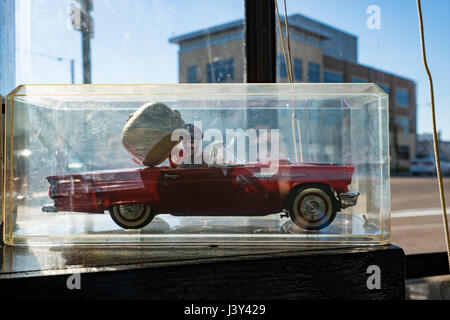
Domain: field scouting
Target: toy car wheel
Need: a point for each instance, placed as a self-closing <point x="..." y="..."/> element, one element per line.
<point x="312" y="208"/>
<point x="131" y="215"/>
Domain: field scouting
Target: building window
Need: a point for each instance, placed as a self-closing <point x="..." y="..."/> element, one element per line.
<point x="385" y="88"/>
<point x="402" y="97"/>
<point x="192" y="74"/>
<point x="358" y="80"/>
<point x="313" y="72"/>
<point x="402" y="124"/>
<point x="281" y="66"/>
<point x="220" y="71"/>
<point x="403" y="153"/>
<point x="332" y="77"/>
<point x="297" y="66"/>
<point x="298" y="70"/>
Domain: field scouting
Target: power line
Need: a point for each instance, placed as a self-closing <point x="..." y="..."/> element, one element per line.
<point x="57" y="58"/>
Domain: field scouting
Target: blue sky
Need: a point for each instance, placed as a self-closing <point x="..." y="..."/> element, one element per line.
<point x="131" y="40"/>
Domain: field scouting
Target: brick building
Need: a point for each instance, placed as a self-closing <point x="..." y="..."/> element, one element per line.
<point x="320" y="53"/>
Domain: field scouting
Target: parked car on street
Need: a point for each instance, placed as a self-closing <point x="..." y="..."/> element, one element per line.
<point x="425" y="164"/>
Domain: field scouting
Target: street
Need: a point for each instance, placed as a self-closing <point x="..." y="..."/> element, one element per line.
<point x="416" y="216"/>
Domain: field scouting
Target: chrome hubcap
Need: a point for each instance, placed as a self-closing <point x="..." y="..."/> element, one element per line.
<point x="131" y="211"/>
<point x="313" y="207"/>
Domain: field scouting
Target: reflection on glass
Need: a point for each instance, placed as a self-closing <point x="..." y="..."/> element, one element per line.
<point x="113" y="41"/>
<point x="363" y="41"/>
<point x="257" y="171"/>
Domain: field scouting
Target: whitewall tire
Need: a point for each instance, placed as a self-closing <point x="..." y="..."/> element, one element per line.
<point x="312" y="207"/>
<point x="131" y="215"/>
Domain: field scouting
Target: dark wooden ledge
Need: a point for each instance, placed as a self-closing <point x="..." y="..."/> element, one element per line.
<point x="201" y="272"/>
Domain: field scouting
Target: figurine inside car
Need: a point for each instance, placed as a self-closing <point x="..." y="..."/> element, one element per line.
<point x="310" y="193"/>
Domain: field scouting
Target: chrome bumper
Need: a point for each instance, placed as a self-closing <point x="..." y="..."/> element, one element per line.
<point x="348" y="199"/>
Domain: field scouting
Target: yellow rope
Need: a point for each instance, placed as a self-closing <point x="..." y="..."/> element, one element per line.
<point x="290" y="73"/>
<point x="282" y="44"/>
<point x="435" y="139"/>
<point x="293" y="136"/>
<point x="286" y="27"/>
<point x="300" y="149"/>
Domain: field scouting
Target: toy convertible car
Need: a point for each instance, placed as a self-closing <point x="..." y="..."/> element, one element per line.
<point x="311" y="194"/>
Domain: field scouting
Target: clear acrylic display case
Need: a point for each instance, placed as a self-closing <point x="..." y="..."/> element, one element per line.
<point x="273" y="164"/>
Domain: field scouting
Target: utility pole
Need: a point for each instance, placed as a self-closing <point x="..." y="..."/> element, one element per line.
<point x="86" y="33"/>
<point x="83" y="22"/>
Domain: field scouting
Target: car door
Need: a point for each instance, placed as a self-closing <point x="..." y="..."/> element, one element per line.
<point x="251" y="190"/>
<point x="195" y="191"/>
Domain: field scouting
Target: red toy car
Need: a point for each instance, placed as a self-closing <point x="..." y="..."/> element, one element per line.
<point x="311" y="194"/>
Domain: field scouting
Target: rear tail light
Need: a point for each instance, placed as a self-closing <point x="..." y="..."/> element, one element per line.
<point x="429" y="163"/>
<point x="414" y="163"/>
<point x="65" y="186"/>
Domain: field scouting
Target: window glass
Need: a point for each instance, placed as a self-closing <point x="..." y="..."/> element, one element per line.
<point x="313" y="72"/>
<point x="220" y="71"/>
<point x="402" y="123"/>
<point x="366" y="41"/>
<point x="192" y="74"/>
<point x="203" y="41"/>
<point x="297" y="65"/>
<point x="139" y="42"/>
<point x="281" y="67"/>
<point x="332" y="77"/>
<point x="403" y="152"/>
<point x="402" y="97"/>
<point x="298" y="70"/>
<point x="358" y="80"/>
